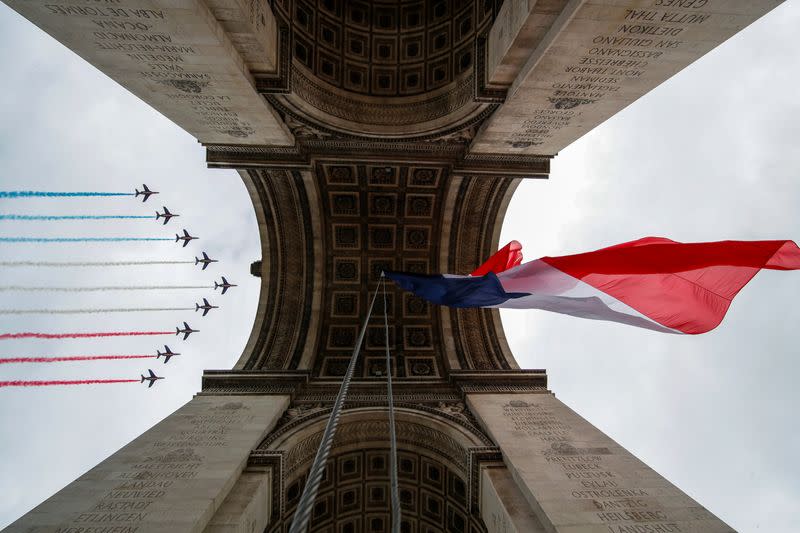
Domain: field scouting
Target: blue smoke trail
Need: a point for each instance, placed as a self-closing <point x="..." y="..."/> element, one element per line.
<point x="81" y="239"/>
<point x="53" y="194"/>
<point x="67" y="217"/>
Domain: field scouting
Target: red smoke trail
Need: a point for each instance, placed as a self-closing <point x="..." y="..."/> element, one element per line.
<point x="63" y="382"/>
<point x="70" y="358"/>
<point x="27" y="335"/>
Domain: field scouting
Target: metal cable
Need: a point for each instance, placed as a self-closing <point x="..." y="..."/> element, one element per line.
<point x="395" y="490"/>
<point x="302" y="514"/>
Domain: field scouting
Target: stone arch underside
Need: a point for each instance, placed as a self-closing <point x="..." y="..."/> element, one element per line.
<point x="326" y="236"/>
<point x="438" y="455"/>
<point x="381" y="68"/>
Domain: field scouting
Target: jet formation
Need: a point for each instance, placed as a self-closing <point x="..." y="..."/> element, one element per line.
<point x="145" y="192"/>
<point x="187" y="330"/>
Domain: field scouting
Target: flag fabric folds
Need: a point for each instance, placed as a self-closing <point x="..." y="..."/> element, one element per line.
<point x="653" y="283"/>
<point x="506" y="257"/>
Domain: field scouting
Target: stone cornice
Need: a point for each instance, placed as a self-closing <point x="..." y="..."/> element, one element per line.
<point x="307" y="152"/>
<point x="505" y="381"/>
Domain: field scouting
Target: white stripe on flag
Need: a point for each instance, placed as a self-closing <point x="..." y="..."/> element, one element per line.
<point x="558" y="292"/>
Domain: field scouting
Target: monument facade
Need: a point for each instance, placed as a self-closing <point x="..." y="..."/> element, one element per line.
<point x="380" y="135"/>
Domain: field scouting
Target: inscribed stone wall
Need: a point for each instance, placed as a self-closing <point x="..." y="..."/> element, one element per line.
<point x="176" y="56"/>
<point x="171" y="478"/>
<point x="598" y="57"/>
<point x="576" y="478"/>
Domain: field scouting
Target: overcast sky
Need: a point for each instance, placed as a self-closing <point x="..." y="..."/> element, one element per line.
<point x="709" y="155"/>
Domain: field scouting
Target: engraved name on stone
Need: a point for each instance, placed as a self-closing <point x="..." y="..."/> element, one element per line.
<point x="608" y="63"/>
<point x="621" y="507"/>
<point x="178" y="59"/>
<point x="609" y="54"/>
<point x="161" y="473"/>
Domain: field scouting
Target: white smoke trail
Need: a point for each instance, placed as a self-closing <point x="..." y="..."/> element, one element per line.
<point x="88" y="263"/>
<point x="88" y="311"/>
<point x="20" y="288"/>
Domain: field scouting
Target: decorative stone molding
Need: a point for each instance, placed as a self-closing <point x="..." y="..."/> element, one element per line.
<point x="510" y="381"/>
<point x="228" y="382"/>
<point x="285" y="305"/>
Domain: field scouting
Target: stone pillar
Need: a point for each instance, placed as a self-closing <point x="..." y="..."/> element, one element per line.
<point x="503" y="507"/>
<point x="174" y="477"/>
<point x="248" y="505"/>
<point x="569" y="65"/>
<point x="176" y="56"/>
<point x="575" y="478"/>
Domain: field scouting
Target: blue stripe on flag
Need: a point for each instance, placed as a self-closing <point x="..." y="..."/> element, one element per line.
<point x="479" y="291"/>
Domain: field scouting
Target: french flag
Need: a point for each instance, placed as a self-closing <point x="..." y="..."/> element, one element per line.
<point x="652" y="283"/>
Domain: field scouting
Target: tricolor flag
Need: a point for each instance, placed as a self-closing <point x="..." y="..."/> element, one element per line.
<point x="652" y="283"/>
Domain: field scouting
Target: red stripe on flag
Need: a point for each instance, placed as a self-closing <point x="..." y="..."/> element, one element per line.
<point x="687" y="287"/>
<point x="506" y="257"/>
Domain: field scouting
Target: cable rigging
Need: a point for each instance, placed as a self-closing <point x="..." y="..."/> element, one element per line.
<point x="302" y="514"/>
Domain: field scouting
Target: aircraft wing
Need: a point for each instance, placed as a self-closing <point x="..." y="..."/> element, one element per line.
<point x="152" y="374"/>
<point x="205" y="311"/>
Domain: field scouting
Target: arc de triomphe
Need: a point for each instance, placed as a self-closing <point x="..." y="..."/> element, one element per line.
<point x="376" y="135"/>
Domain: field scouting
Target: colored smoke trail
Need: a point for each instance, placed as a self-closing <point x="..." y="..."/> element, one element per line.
<point x="81" y="239"/>
<point x="28" y="335"/>
<point x="54" y="194"/>
<point x="9" y="360"/>
<point x="64" y="382"/>
<point x="68" y="217"/>
<point x="21" y="288"/>
<point x="89" y="311"/>
<point x="88" y="263"/>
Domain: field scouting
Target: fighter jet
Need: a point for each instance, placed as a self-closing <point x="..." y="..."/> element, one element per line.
<point x="205" y="260"/>
<point x="152" y="378"/>
<point x="225" y="285"/>
<point x="186" y="238"/>
<point x="145" y="192"/>
<point x="186" y="331"/>
<point x="166" y="215"/>
<point x="206" y="307"/>
<point x="167" y="353"/>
